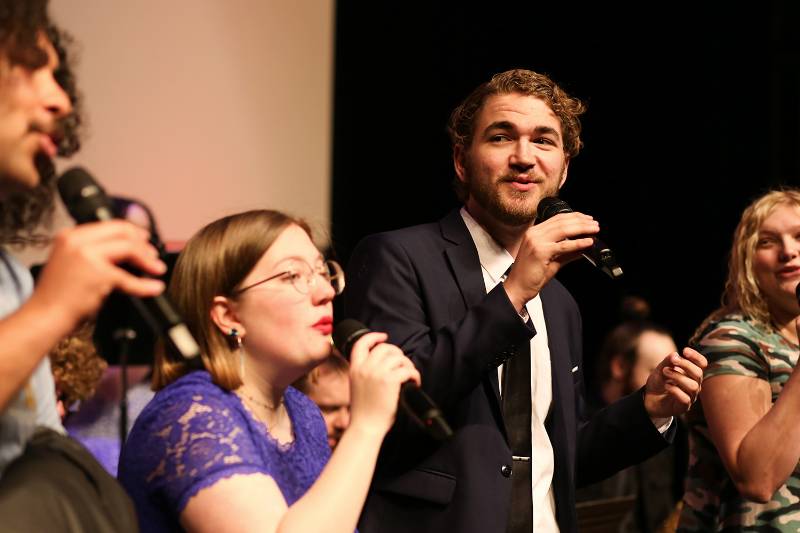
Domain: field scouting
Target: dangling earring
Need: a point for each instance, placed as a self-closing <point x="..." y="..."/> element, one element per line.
<point x="234" y="335"/>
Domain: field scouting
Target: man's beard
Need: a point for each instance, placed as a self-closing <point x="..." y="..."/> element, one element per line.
<point x="516" y="209"/>
<point x="26" y="215"/>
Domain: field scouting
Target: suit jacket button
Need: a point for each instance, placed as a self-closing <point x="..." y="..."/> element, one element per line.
<point x="506" y="470"/>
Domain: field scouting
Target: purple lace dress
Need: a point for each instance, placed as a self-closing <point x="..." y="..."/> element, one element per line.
<point x="193" y="434"/>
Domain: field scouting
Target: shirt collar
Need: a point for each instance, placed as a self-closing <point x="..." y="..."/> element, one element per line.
<point x="494" y="259"/>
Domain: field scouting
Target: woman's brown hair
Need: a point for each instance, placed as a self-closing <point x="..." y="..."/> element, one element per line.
<point x="213" y="263"/>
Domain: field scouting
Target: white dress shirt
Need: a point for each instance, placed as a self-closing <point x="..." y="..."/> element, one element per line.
<point x="495" y="260"/>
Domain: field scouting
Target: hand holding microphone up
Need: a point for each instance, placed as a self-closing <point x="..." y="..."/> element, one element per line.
<point x="83" y="269"/>
<point x="87" y="202"/>
<point x="348" y="336"/>
<point x="377" y="371"/>
<point x="544" y="249"/>
<point x="599" y="255"/>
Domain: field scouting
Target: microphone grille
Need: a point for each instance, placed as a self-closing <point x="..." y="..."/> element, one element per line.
<point x="82" y="195"/>
<point x="73" y="182"/>
<point x="346" y="333"/>
<point x="551" y="206"/>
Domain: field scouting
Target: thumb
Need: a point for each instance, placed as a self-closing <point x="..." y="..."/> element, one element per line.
<point x="665" y="362"/>
<point x="659" y="370"/>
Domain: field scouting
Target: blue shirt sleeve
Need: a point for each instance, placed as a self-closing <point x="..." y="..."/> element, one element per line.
<point x="186" y="442"/>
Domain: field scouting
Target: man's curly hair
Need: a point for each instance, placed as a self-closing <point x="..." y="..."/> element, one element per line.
<point x="21" y="24"/>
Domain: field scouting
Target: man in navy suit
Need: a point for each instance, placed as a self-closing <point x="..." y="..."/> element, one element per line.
<point x="445" y="293"/>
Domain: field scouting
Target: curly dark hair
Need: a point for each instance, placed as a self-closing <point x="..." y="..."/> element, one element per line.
<point x="568" y="109"/>
<point x="21" y="24"/>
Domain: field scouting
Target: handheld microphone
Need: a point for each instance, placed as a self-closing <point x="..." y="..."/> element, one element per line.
<point x="413" y="399"/>
<point x="86" y="201"/>
<point x="600" y="255"/>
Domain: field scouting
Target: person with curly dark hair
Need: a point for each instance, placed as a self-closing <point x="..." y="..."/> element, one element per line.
<point x="24" y="212"/>
<point x="43" y="474"/>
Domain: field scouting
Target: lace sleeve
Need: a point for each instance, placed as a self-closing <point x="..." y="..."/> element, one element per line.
<point x="189" y="443"/>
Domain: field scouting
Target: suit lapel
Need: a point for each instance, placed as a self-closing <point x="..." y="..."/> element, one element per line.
<point x="463" y="259"/>
<point x="465" y="264"/>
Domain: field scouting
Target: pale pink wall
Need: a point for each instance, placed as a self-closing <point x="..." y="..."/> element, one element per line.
<point x="207" y="107"/>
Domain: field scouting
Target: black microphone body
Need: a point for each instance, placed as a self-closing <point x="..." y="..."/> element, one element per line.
<point x="600" y="255"/>
<point x="416" y="403"/>
<point x="86" y="201"/>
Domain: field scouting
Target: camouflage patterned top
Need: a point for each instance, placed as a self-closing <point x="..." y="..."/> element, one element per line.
<point x="737" y="346"/>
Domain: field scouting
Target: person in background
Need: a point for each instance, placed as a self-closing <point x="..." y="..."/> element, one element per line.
<point x="227" y="444"/>
<point x="328" y="386"/>
<point x="628" y="355"/>
<point x="77" y="369"/>
<point x="745" y="436"/>
<point x="89" y="391"/>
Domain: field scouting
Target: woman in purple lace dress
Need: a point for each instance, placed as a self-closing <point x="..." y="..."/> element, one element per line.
<point x="227" y="444"/>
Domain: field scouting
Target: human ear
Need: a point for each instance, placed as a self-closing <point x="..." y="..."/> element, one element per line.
<point x="564" y="174"/>
<point x="224" y="316"/>
<point x="618" y="368"/>
<point x="459" y="152"/>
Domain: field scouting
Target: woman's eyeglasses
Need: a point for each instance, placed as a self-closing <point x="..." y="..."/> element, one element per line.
<point x="303" y="276"/>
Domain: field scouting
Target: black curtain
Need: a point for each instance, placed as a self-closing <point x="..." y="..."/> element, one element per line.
<point x="694" y="110"/>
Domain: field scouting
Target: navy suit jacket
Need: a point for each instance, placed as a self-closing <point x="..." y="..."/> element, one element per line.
<point x="423" y="286"/>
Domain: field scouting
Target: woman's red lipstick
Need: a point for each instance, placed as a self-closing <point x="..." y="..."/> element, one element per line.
<point x="324" y="325"/>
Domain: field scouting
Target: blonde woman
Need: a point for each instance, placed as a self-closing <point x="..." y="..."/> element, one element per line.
<point x="745" y="441"/>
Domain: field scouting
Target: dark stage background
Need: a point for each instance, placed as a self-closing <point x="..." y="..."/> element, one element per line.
<point x="692" y="111"/>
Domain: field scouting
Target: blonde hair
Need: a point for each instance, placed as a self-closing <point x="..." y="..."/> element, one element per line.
<point x="742" y="293"/>
<point x="213" y="263"/>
